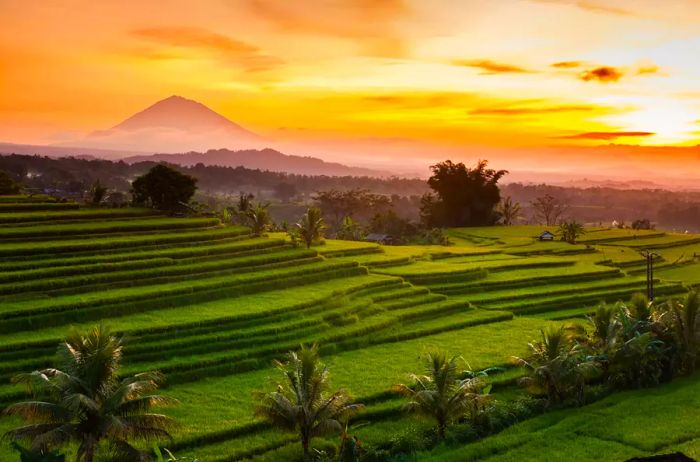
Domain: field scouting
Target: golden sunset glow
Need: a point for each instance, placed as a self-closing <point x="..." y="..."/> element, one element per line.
<point x="446" y="76"/>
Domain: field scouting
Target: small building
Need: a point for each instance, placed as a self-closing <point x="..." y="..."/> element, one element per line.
<point x="546" y="236"/>
<point x="378" y="238"/>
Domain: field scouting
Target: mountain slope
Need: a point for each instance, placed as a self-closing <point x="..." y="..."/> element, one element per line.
<point x="182" y="114"/>
<point x="265" y="159"/>
<point x="175" y="124"/>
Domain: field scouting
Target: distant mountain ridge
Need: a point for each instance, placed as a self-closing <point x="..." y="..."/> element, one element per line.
<point x="263" y="159"/>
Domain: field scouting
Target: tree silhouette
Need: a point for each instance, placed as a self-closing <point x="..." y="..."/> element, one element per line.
<point x="163" y="188"/>
<point x="465" y="196"/>
<point x="548" y="209"/>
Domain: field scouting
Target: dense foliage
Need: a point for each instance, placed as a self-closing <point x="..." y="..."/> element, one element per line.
<point x="463" y="196"/>
<point x="8" y="185"/>
<point x="163" y="188"/>
<point x="84" y="401"/>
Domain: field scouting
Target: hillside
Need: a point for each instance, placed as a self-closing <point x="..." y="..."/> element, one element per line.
<point x="210" y="306"/>
<point x="264" y="159"/>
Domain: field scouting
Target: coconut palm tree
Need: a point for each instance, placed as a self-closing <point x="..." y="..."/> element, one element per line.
<point x="557" y="366"/>
<point x="509" y="210"/>
<point x="440" y="393"/>
<point x="83" y="401"/>
<point x="258" y="217"/>
<point x="301" y="402"/>
<point x="685" y="326"/>
<point x="310" y="228"/>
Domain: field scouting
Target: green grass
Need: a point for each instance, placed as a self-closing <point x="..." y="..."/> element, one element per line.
<point x="625" y="425"/>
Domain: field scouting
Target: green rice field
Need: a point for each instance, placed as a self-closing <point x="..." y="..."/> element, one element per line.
<point x="211" y="307"/>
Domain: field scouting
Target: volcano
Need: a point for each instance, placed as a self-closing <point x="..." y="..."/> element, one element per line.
<point x="175" y="124"/>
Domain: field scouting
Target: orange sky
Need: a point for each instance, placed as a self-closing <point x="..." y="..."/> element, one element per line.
<point x="436" y="76"/>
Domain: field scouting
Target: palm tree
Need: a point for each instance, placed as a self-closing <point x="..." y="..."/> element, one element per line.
<point x="440" y="393"/>
<point x="557" y="367"/>
<point x="83" y="401"/>
<point x="301" y="403"/>
<point x="311" y="226"/>
<point x="685" y="325"/>
<point x="570" y="231"/>
<point x="258" y="218"/>
<point x="509" y="210"/>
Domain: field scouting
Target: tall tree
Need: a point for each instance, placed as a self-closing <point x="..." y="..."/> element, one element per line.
<point x="84" y="401"/>
<point x="548" y="209"/>
<point x="163" y="188"/>
<point x="302" y="403"/>
<point x="465" y="196"/>
<point x="440" y="393"/>
<point x="509" y="211"/>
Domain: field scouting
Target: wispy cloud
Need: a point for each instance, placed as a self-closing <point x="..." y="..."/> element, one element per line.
<point x="593" y="7"/>
<point x="518" y="111"/>
<point x="603" y="74"/>
<point x="491" y="67"/>
<point x="567" y="64"/>
<point x="249" y="57"/>
<point x="605" y="135"/>
<point x="648" y="69"/>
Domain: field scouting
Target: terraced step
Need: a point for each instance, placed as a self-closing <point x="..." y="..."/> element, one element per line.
<point x="101" y="244"/>
<point x="167" y="271"/>
<point x="120" y="302"/>
<point x="539" y="279"/>
<point x="236" y="245"/>
<point x="545" y="304"/>
<point x="32" y="218"/>
<point x="6" y="207"/>
<point x="525" y="293"/>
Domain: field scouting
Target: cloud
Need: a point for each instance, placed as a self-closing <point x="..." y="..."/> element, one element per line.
<point x="366" y="22"/>
<point x="603" y="74"/>
<point x="567" y="64"/>
<point x="517" y="111"/>
<point x="243" y="54"/>
<point x="491" y="67"/>
<point x="604" y="135"/>
<point x="591" y="6"/>
<point x="648" y="69"/>
<point x="420" y="99"/>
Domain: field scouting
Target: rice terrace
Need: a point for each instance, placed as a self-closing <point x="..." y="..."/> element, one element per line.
<point x="210" y="306"/>
<point x="350" y="231"/>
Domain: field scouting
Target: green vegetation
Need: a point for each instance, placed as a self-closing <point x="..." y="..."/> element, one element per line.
<point x="301" y="403"/>
<point x="163" y="188"/>
<point x="212" y="307"/>
<point x="84" y="402"/>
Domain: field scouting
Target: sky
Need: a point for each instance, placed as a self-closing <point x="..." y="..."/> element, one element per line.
<point x="398" y="82"/>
